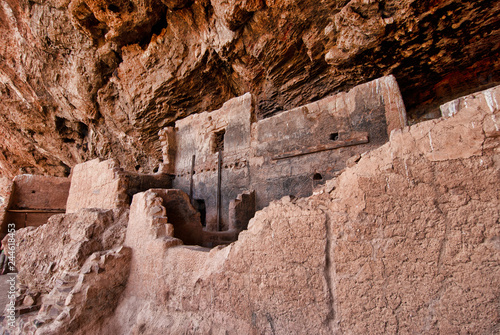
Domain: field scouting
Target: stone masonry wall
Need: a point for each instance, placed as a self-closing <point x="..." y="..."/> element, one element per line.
<point x="96" y="184"/>
<point x="196" y="136"/>
<point x="40" y="192"/>
<point x="295" y="150"/>
<point x="404" y="241"/>
<point x="287" y="154"/>
<point x="34" y="199"/>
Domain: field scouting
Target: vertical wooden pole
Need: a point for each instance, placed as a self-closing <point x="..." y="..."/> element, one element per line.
<point x="219" y="189"/>
<point x="191" y="180"/>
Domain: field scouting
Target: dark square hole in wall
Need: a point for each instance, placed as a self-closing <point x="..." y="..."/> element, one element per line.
<point x="334" y="136"/>
<point x="219" y="141"/>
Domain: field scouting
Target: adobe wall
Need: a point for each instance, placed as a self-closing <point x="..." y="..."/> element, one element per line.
<point x="34" y="199"/>
<point x="196" y="135"/>
<point x="104" y="185"/>
<point x="287" y="154"/>
<point x="40" y="192"/>
<point x="296" y="150"/>
<point x="96" y="184"/>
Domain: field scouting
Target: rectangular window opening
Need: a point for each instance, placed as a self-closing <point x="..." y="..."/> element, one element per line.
<point x="219" y="141"/>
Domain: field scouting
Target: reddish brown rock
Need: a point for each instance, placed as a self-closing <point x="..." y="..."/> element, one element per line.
<point x="63" y="245"/>
<point x="82" y="79"/>
<point x="77" y="298"/>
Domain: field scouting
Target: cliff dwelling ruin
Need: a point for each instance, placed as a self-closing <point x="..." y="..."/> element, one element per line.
<point x="249" y="167"/>
<point x="120" y="230"/>
<point x="284" y="155"/>
<point x="229" y="164"/>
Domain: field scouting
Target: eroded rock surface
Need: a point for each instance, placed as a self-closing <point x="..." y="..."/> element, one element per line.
<point x="64" y="244"/>
<point x="6" y="188"/>
<point x="81" y="79"/>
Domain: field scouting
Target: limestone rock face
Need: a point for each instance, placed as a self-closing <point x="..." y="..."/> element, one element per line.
<point x="81" y="79"/>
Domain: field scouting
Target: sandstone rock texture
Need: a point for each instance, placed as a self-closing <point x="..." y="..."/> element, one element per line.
<point x="406" y="240"/>
<point x="72" y="270"/>
<point x="81" y="79"/>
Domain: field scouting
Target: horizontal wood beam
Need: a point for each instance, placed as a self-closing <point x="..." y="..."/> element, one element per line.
<point x="36" y="210"/>
<point x="358" y="138"/>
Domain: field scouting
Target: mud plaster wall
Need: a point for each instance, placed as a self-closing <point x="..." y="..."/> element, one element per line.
<point x="104" y="185"/>
<point x="196" y="136"/>
<point x="268" y="155"/>
<point x="97" y="184"/>
<point x="38" y="197"/>
<point x="345" y="119"/>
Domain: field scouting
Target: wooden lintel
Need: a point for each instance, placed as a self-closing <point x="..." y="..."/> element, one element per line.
<point x="359" y="138"/>
<point x="48" y="210"/>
